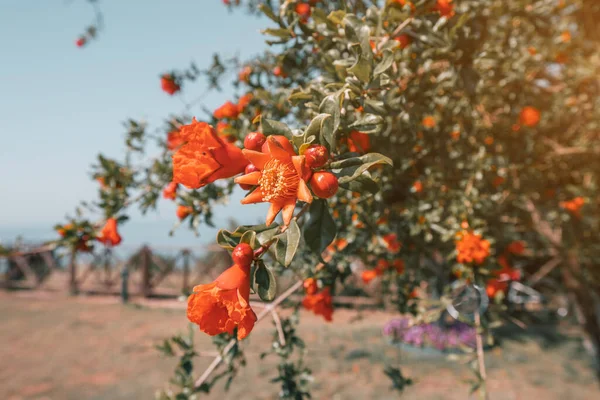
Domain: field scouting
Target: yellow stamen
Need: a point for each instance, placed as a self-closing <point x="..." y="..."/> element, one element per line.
<point x="279" y="181"/>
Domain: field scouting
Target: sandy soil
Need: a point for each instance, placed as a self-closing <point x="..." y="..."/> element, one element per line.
<point x="55" y="347"/>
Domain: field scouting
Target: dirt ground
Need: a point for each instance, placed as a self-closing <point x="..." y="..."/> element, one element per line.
<point x="60" y="348"/>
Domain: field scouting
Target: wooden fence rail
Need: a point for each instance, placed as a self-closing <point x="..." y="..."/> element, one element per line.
<point x="144" y="273"/>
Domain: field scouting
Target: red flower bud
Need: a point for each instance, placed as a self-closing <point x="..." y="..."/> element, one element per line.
<point x="243" y="255"/>
<point x="168" y="84"/>
<point x="303" y="10"/>
<point x="310" y="286"/>
<point x="278" y="71"/>
<point x="324" y="184"/>
<point x="403" y="40"/>
<point x="249" y="169"/>
<point x="183" y="211"/>
<point x="316" y="156"/>
<point x="81" y="42"/>
<point x="254" y="141"/>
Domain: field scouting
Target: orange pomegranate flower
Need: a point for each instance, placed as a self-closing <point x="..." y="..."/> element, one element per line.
<point x="356" y="222"/>
<point x="337" y="245"/>
<point x="429" y="122"/>
<point x="403" y="40"/>
<point x="445" y="8"/>
<point x="62" y="231"/>
<point x="205" y="157"/>
<point x="402" y="3"/>
<point x="244" y="74"/>
<point x="530" y="116"/>
<point x="109" y="235"/>
<point x="223" y="305"/>
<point x="227" y="110"/>
<point x="281" y="180"/>
<point x="573" y="206"/>
<point x="472" y="248"/>
<point x="417" y="186"/>
<point x="320" y="303"/>
<point x="102" y="182"/>
<point x="498" y="180"/>
<point x="370" y="274"/>
<point x="516" y="247"/>
<point x="183" y="211"/>
<point x="310" y="286"/>
<point x="495" y="286"/>
<point x="224" y="131"/>
<point x="359" y="142"/>
<point x="303" y="10"/>
<point x="244" y="101"/>
<point x="174" y="140"/>
<point x="501" y="277"/>
<point x="392" y="243"/>
<point x="170" y="191"/>
<point x="507" y="272"/>
<point x="169" y="85"/>
<point x="399" y="266"/>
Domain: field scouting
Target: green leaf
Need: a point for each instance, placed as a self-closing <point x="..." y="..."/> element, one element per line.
<point x="264" y="282"/>
<point x="249" y="237"/>
<point x="315" y="128"/>
<point x="362" y="183"/>
<point x="320" y="230"/>
<point x="264" y="236"/>
<point x="362" y="67"/>
<point x="336" y="16"/>
<point x="287" y="244"/>
<point x="225" y="240"/>
<point x="351" y="168"/>
<point x="298" y="96"/>
<point x="272" y="127"/>
<point x="228" y="240"/>
<point x="358" y="33"/>
<point x="268" y="11"/>
<point x="368" y="123"/>
<point x="279" y="32"/>
<point x="374" y="107"/>
<point x="386" y="62"/>
<point x="330" y="105"/>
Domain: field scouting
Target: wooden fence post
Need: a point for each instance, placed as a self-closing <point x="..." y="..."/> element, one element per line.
<point x="145" y="266"/>
<point x="107" y="259"/>
<point x="186" y="271"/>
<point x="73" y="289"/>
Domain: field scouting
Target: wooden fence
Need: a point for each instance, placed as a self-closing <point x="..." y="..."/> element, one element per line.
<point x="144" y="273"/>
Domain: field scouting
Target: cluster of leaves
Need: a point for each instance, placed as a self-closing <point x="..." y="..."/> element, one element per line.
<point x="182" y="346"/>
<point x="293" y="374"/>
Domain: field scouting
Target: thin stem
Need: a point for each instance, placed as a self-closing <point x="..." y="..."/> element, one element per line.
<point x="480" y="356"/>
<point x="544" y="270"/>
<point x="279" y="327"/>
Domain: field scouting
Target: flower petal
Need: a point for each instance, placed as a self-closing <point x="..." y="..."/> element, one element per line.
<point x="192" y="165"/>
<point x="249" y="179"/>
<point x="288" y="212"/>
<point x="298" y="162"/>
<point x="304" y="192"/>
<point x="276" y="150"/>
<point x="255" y="197"/>
<point x="257" y="158"/>
<point x="273" y="211"/>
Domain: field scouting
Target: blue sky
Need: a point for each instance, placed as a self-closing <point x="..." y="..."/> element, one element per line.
<point x="61" y="105"/>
